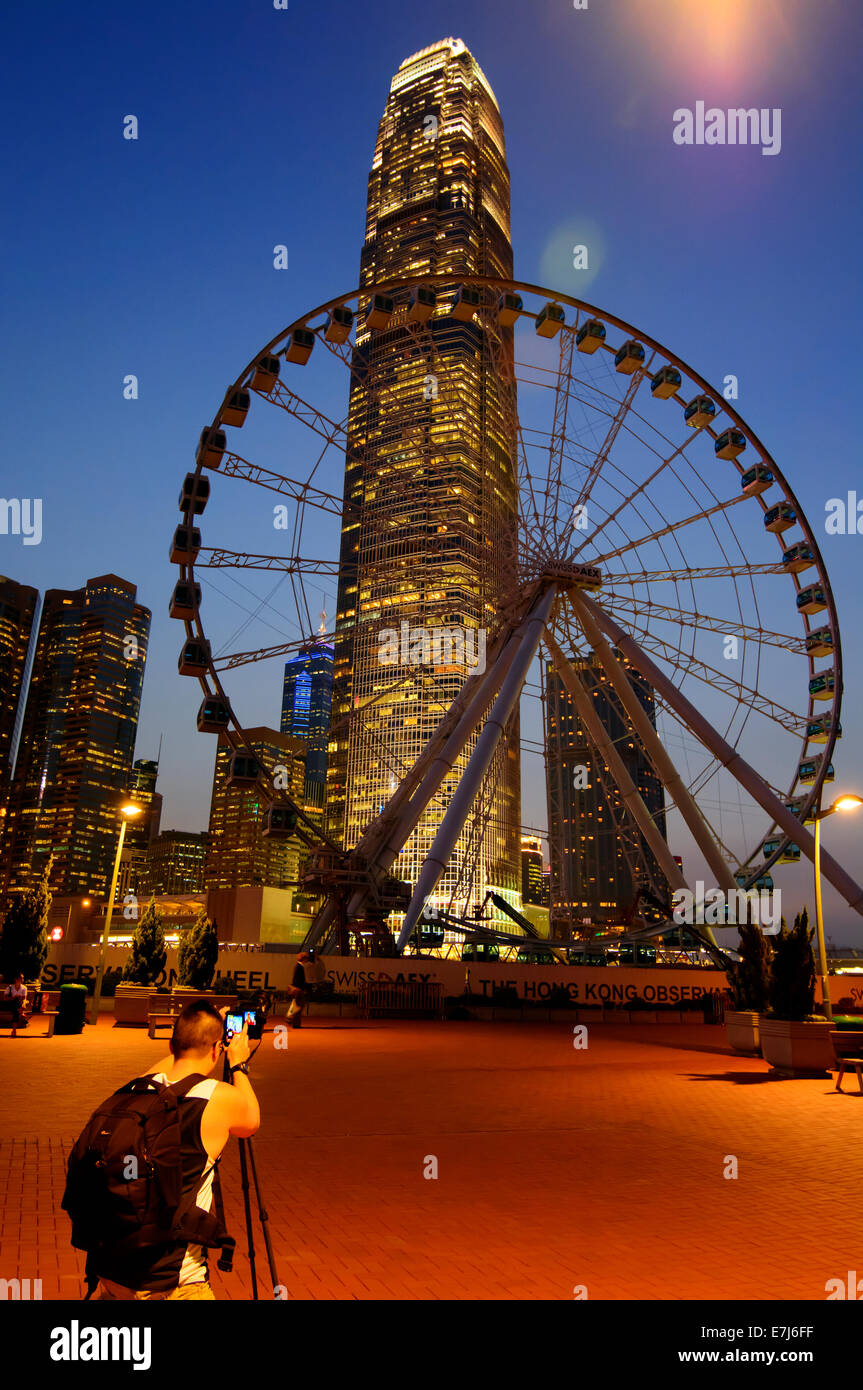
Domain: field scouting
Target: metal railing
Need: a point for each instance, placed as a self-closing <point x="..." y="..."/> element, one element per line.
<point x="417" y="999"/>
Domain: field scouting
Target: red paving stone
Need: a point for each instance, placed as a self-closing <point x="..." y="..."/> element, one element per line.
<point x="557" y="1167"/>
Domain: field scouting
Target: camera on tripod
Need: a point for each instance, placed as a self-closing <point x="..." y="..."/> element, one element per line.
<point x="234" y="1024"/>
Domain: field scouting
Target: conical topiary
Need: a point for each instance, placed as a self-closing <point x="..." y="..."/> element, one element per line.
<point x="792" y="973"/>
<point x="149" y="953"/>
<point x="199" y="953"/>
<point x="24" y="935"/>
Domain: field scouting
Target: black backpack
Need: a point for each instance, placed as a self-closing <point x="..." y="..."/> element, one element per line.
<point x="124" y="1180"/>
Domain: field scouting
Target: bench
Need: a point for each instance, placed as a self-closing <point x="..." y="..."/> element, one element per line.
<point x="160" y="1018"/>
<point x="6" y="1020"/>
<point x="848" y="1051"/>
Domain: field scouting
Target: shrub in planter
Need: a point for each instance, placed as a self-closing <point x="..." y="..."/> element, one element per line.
<point x="149" y="954"/>
<point x="749" y="987"/>
<point x="749" y="978"/>
<point x="795" y="1040"/>
<point x="24" y="935"/>
<point x="198" y="953"/>
<point x="791" y="995"/>
<point x="505" y="997"/>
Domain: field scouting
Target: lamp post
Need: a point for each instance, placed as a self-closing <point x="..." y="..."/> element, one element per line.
<point x="127" y="812"/>
<point x="850" y="802"/>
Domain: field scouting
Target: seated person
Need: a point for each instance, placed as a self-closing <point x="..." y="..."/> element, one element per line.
<point x="16" y="996"/>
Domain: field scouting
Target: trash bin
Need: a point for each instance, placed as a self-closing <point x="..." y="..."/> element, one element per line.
<point x="71" y="1009"/>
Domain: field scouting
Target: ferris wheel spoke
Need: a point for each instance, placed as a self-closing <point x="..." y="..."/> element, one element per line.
<point x="644" y="608"/>
<point x="218" y="558"/>
<point x="667" y="530"/>
<point x="314" y="419"/>
<point x="708" y="572"/>
<point x="711" y="676"/>
<point x="233" y="466"/>
<point x="614" y="429"/>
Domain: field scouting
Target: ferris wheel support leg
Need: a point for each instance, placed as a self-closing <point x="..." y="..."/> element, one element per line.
<point x="745" y="774"/>
<point x="646" y="732"/>
<point x="480" y="760"/>
<point x="632" y="798"/>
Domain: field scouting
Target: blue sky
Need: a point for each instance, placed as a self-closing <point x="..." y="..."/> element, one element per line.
<point x="257" y="127"/>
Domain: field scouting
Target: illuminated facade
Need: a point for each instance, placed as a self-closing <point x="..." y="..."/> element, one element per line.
<point x="18" y="607"/>
<point x="592" y="882"/>
<point x="175" y="863"/>
<point x="428" y="539"/>
<point x="74" y="764"/>
<point x="533" y="883"/>
<point x="240" y="854"/>
<point x="306" y="704"/>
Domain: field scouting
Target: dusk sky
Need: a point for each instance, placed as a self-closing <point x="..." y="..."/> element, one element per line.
<point x="257" y="127"/>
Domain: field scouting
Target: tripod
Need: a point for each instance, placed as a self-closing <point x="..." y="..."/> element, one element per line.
<point x="247" y="1161"/>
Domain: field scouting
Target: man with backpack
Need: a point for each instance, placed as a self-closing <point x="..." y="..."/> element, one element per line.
<point x="142" y="1177"/>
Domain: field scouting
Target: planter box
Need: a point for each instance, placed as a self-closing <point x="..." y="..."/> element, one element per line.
<point x="742" y="1031"/>
<point x="796" y="1049"/>
<point x="131" y="1004"/>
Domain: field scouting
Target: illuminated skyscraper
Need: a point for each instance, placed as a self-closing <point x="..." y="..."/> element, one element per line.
<point x="306" y="702"/>
<point x="532" y="878"/>
<point x="74" y="764"/>
<point x="241" y="853"/>
<point x="18" y="607"/>
<point x="428" y="539"/>
<point x="591" y="879"/>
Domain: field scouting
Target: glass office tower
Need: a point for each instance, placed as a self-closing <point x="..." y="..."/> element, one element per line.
<point x="428" y="539"/>
<point x="74" y="764"/>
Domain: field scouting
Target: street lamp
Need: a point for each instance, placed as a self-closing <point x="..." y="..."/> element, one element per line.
<point x="127" y="812"/>
<point x="849" y="802"/>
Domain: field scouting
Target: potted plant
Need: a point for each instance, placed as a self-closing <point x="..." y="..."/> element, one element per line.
<point x="24" y="935"/>
<point x="143" y="968"/>
<point x="794" y="1040"/>
<point x="198" y="955"/>
<point x="749" y="985"/>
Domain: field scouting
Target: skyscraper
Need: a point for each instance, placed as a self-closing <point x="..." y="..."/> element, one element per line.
<point x="306" y="703"/>
<point x="532" y="879"/>
<point x="18" y="607"/>
<point x="592" y="882"/>
<point x="240" y="853"/>
<point x="142" y="830"/>
<point x="428" y="538"/>
<point x="77" y="737"/>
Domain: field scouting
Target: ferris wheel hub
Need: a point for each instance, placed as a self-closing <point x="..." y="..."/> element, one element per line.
<point x="569" y="575"/>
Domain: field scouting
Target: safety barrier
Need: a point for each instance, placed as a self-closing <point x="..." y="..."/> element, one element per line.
<point x="410" y="998"/>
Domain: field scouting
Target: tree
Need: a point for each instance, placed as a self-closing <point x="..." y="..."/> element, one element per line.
<point x="24" y="937"/>
<point x="792" y="974"/>
<point x="149" y="953"/>
<point x="749" y="978"/>
<point x="199" y="953"/>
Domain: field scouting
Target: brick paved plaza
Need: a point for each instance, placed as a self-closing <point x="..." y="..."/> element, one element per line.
<point x="557" y="1167"/>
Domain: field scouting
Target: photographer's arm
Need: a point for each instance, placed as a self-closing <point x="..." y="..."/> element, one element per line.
<point x="244" y="1117"/>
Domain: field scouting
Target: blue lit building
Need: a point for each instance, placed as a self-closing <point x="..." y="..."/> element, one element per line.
<point x="306" y="702"/>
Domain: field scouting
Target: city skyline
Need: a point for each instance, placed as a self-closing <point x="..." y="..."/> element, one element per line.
<point x="741" y="274"/>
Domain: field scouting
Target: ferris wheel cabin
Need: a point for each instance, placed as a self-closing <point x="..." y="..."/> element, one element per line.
<point x="185" y="600"/>
<point x="211" y="447"/>
<point x="729" y="444"/>
<point x="237" y="408"/>
<point x="509" y="307"/>
<point x="185" y="546"/>
<point x="780" y="517"/>
<point x="550" y="320"/>
<point x="756" y="479"/>
<point x="629" y="358"/>
<point x="666" y="383"/>
<point x="266" y="373"/>
<point x="699" y="412"/>
<point x="811" y="600"/>
<point x="339" y="324"/>
<point x="590" y="336"/>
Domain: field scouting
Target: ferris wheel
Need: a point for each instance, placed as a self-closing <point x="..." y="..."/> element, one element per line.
<point x="651" y="531"/>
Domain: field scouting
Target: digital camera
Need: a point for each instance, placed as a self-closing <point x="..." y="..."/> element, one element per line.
<point x="234" y="1023"/>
